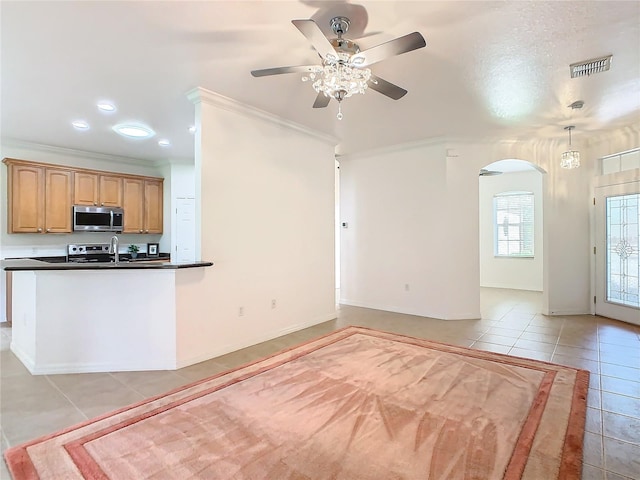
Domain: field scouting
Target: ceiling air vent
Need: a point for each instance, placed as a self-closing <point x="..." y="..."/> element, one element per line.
<point x="589" y="67"/>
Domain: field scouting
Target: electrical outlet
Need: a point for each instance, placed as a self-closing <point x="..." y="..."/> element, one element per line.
<point x="406" y="287"/>
<point x="273" y="303"/>
<point x="240" y="311"/>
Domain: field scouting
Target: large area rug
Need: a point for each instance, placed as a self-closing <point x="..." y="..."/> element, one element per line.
<point x="354" y="404"/>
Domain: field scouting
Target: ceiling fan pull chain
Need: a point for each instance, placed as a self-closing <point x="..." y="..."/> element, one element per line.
<point x="339" y="116"/>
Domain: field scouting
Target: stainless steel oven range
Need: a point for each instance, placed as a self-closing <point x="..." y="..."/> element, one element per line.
<point x="91" y="252"/>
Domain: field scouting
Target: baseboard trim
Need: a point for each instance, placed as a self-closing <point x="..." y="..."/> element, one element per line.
<point x="223" y="350"/>
<point x="26" y="360"/>
<point x="409" y="311"/>
<point x="59" y="368"/>
<point x="567" y="312"/>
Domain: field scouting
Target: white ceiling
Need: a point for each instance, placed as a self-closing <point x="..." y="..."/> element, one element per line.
<point x="489" y="70"/>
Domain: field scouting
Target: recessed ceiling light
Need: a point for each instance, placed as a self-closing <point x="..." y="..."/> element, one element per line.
<point x="164" y="143"/>
<point x="106" y="107"/>
<point x="133" y="130"/>
<point x="192" y="129"/>
<point x="80" y="125"/>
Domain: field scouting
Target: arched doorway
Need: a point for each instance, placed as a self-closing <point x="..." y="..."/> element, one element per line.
<point x="511" y="231"/>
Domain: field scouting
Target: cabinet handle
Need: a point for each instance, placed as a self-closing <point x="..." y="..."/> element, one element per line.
<point x="39" y="230"/>
<point x="48" y="230"/>
<point x="102" y="204"/>
<point x="146" y="231"/>
<point x="141" y="231"/>
<point x="95" y="203"/>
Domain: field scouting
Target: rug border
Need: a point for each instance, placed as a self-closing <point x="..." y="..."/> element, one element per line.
<point x="571" y="463"/>
<point x="18" y="460"/>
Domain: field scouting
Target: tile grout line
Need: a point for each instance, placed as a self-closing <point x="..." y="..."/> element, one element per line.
<point x="521" y="333"/>
<point x="5" y="438"/>
<point x="127" y="386"/>
<point x="66" y="396"/>
<point x="604" y="455"/>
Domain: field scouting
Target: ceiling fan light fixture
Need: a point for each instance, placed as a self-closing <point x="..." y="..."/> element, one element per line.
<point x="571" y="158"/>
<point x="344" y="71"/>
<point x="338" y="79"/>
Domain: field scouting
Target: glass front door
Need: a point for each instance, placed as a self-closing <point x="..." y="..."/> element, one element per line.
<point x="618" y="252"/>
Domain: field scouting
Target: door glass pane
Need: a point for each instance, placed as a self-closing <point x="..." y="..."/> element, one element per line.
<point x="623" y="250"/>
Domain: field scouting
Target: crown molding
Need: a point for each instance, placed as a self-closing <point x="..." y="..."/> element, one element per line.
<point x="389" y="149"/>
<point x="202" y="95"/>
<point x="448" y="144"/>
<point x="15" y="143"/>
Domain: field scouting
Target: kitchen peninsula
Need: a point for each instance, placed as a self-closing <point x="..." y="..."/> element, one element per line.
<point x="102" y="317"/>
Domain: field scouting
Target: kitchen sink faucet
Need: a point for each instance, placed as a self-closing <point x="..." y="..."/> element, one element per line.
<point x="113" y="248"/>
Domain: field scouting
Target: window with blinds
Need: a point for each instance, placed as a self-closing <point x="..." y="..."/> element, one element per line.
<point x="513" y="220"/>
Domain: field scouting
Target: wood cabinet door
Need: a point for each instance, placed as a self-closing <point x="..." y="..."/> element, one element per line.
<point x="110" y="191"/>
<point x="152" y="206"/>
<point x="58" y="203"/>
<point x="133" y="205"/>
<point x="85" y="190"/>
<point x="26" y="199"/>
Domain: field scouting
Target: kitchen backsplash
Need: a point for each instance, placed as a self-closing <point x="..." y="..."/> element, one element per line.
<point x="21" y="251"/>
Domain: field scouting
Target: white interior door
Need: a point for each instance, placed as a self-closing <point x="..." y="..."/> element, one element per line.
<point x="185" y="229"/>
<point x="618" y="252"/>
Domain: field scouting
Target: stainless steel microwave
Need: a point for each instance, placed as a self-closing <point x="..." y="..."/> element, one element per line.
<point x="97" y="219"/>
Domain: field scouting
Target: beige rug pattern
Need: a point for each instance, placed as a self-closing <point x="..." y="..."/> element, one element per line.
<point x="354" y="404"/>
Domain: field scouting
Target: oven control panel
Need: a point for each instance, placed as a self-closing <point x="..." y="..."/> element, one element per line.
<point x="96" y="252"/>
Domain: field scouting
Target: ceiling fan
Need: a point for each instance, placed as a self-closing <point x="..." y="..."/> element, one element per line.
<point x="488" y="173"/>
<point x="343" y="71"/>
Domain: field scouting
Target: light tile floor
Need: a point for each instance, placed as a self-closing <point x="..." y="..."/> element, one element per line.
<point x="31" y="406"/>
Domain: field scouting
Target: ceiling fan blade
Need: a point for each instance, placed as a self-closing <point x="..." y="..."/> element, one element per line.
<point x="321" y="100"/>
<point x="386" y="88"/>
<point x="398" y="46"/>
<point x="310" y="29"/>
<point x="279" y="70"/>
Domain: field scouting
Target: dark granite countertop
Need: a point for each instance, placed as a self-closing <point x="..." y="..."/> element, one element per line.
<point x="18" y="264"/>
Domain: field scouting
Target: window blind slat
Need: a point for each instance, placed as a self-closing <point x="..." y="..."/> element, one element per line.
<point x="514" y="217"/>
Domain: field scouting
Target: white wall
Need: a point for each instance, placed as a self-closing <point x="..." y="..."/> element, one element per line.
<point x="415" y="216"/>
<point x="400" y="250"/>
<point x="266" y="207"/>
<point x="507" y="272"/>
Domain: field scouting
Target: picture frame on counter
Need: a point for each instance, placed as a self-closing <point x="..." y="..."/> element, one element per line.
<point x="153" y="249"/>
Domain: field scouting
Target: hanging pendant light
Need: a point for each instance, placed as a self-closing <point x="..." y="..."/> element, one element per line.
<point x="570" y="158"/>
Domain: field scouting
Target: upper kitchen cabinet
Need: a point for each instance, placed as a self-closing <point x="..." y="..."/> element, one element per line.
<point x="96" y="189"/>
<point x="58" y="200"/>
<point x="39" y="198"/>
<point x="142" y="203"/>
<point x="153" y="206"/>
